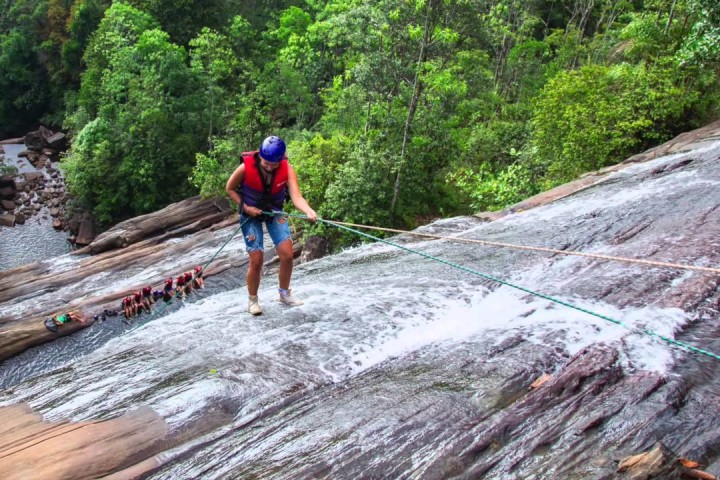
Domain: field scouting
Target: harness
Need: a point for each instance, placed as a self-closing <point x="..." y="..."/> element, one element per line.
<point x="268" y="193"/>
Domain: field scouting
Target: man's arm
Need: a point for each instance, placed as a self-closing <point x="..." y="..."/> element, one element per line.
<point x="234" y="182"/>
<point x="296" y="196"/>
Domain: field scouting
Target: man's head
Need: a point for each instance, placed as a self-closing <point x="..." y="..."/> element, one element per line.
<point x="272" y="152"/>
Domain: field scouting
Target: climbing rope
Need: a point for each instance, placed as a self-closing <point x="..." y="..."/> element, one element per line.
<point x="652" y="263"/>
<point x="646" y="331"/>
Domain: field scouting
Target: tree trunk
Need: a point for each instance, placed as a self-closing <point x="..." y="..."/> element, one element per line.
<point x="417" y="91"/>
<point x="367" y="119"/>
<point x="671" y="17"/>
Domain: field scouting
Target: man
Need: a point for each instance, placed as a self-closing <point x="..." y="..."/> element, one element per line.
<point x="198" y="281"/>
<point x="129" y="307"/>
<point x="73" y="316"/>
<point x="188" y="276"/>
<point x="180" y="286"/>
<point x="168" y="290"/>
<point x="147" y="298"/>
<point x="138" y="301"/>
<point x="261" y="183"/>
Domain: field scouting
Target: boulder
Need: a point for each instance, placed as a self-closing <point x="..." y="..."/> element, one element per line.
<point x="57" y="141"/>
<point x="38" y="139"/>
<point x="184" y="217"/>
<point x="74" y="223"/>
<point x="7" y="220"/>
<point x="34" y="141"/>
<point x="7" y="205"/>
<point x="20" y="218"/>
<point x="7" y="193"/>
<point x="86" y="234"/>
<point x="33" y="176"/>
<point x="314" y="247"/>
<point x="7" y="181"/>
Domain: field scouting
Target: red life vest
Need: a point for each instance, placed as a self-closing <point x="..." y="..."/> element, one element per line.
<point x="255" y="192"/>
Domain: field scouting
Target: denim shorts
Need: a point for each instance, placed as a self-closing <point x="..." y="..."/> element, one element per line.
<point x="277" y="226"/>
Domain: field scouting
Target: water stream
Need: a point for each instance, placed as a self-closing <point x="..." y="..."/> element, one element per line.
<point x="399" y="367"/>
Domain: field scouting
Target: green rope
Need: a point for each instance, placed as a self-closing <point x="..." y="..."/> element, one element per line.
<point x="646" y="331"/>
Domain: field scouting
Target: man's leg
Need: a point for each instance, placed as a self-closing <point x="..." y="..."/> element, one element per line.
<point x="254" y="271"/>
<point x="285" y="253"/>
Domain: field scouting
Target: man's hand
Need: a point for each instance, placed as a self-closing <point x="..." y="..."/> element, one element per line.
<point x="311" y="215"/>
<point x="252" y="211"/>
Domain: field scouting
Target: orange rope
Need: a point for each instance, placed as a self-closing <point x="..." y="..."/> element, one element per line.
<point x="651" y="263"/>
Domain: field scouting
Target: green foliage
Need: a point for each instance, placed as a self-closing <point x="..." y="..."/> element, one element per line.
<point x="212" y="170"/>
<point x="317" y="161"/>
<point x="184" y="19"/>
<point x="84" y="18"/>
<point x="491" y="190"/>
<point x="140" y="147"/>
<point x="702" y="46"/>
<point x="394" y="112"/>
<point x="362" y="188"/>
<point x="213" y="64"/>
<point x="8" y="169"/>
<point x="22" y="82"/>
<point x="595" y="116"/>
<point x="119" y="29"/>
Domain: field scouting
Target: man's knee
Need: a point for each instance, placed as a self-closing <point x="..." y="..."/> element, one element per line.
<point x="285" y="251"/>
<point x="256" y="261"/>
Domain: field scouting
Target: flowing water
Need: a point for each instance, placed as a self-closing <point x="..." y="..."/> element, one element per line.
<point x="400" y="367"/>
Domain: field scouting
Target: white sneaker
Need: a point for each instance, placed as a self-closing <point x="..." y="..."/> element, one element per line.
<point x="254" y="305"/>
<point x="288" y="299"/>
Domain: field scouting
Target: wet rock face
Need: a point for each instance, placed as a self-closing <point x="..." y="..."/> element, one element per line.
<point x="527" y="391"/>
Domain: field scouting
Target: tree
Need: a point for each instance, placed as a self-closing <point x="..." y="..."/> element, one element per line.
<point x="136" y="153"/>
<point x="213" y="63"/>
<point x="121" y="27"/>
<point x="595" y="116"/>
<point x="702" y="46"/>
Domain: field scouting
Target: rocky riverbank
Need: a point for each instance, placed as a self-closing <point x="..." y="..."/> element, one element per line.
<point x="32" y="185"/>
